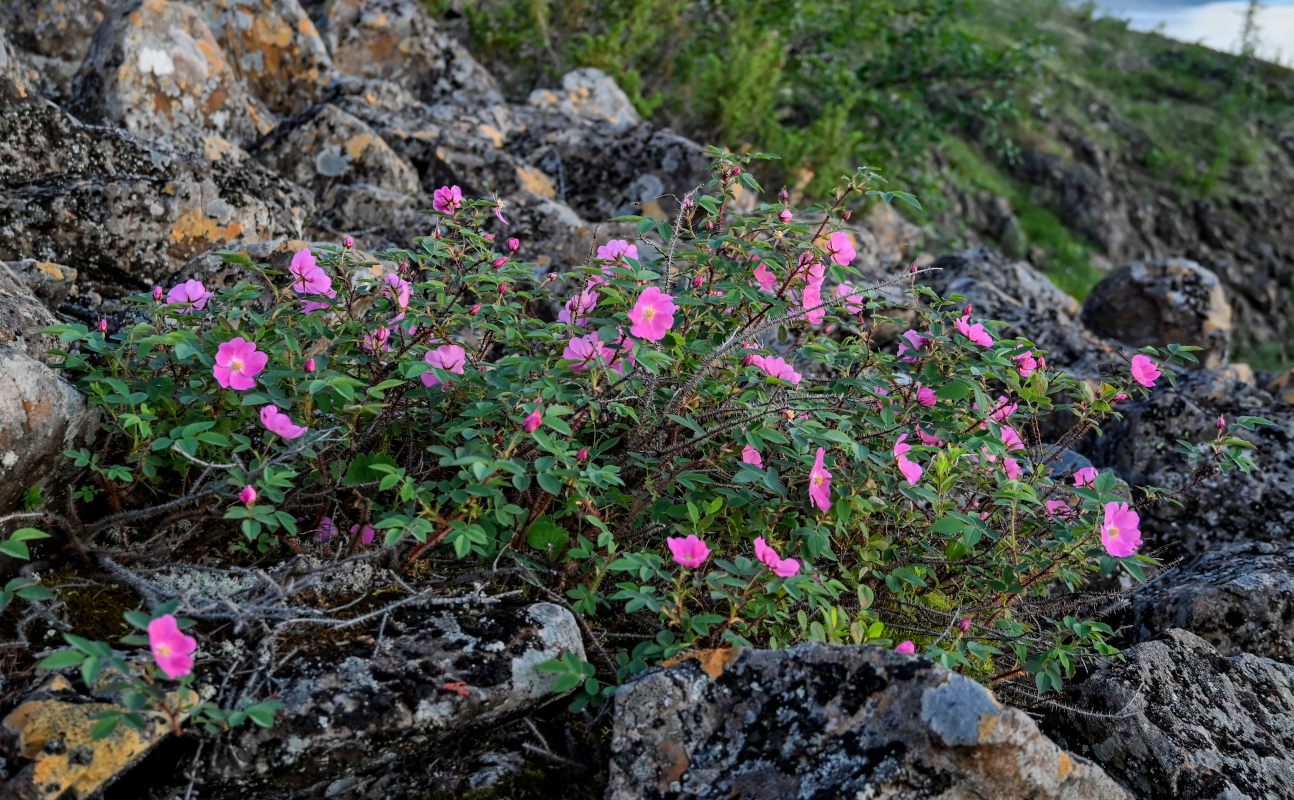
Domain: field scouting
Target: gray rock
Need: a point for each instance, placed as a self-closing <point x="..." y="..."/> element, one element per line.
<point x="54" y="38"/>
<point x="592" y="94"/>
<point x="1031" y="305"/>
<point x="50" y="282"/>
<point x="41" y="415"/>
<point x="155" y="69"/>
<point x="397" y="41"/>
<point x="1180" y="721"/>
<point x="274" y="48"/>
<point x="1239" y="598"/>
<point x="22" y="317"/>
<point x="1142" y="448"/>
<point x="327" y="148"/>
<point x="1163" y="302"/>
<point x="351" y="708"/>
<point x="826" y="721"/>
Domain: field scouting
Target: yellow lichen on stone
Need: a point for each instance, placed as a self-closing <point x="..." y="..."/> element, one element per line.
<point x="492" y="133"/>
<point x="51" y="269"/>
<point x="80" y="765"/>
<point x="987" y="724"/>
<point x="356" y="145"/>
<point x="1064" y="766"/>
<point x="713" y="662"/>
<point x="194" y="225"/>
<point x="535" y="181"/>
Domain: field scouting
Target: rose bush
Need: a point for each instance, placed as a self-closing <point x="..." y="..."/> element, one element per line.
<point x="697" y="439"/>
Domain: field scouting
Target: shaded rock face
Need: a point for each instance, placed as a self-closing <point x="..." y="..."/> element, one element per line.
<point x="1187" y="723"/>
<point x="821" y="721"/>
<point x="357" y="708"/>
<point x="1163" y="302"/>
<point x="1142" y="448"/>
<point x="22" y="316"/>
<point x="41" y="415"/>
<point x="274" y="47"/>
<point x="1239" y="598"/>
<point x="1016" y="293"/>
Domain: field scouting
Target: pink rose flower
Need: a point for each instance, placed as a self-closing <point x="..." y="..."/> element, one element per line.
<point x="926" y="396"/>
<point x="447" y="200"/>
<point x="652" y="315"/>
<point x="910" y="340"/>
<point x="398" y="290"/>
<point x="238" y="362"/>
<point x="1025" y="363"/>
<point x="578" y="308"/>
<point x="840" y="249"/>
<point x="785" y="215"/>
<point x="907" y="648"/>
<point x="533" y="420"/>
<point x="1084" y="477"/>
<point x="975" y="333"/>
<point x="853" y="302"/>
<point x="767" y="280"/>
<point x="1059" y="509"/>
<point x="172" y="650"/>
<point x="781" y="567"/>
<point x="308" y="276"/>
<point x="247" y="495"/>
<point x="191" y="294"/>
<point x="751" y="456"/>
<point x="588" y="350"/>
<point x="688" y="552"/>
<point x="514" y="244"/>
<point x="1144" y="371"/>
<point x="366" y="533"/>
<point x="326" y="530"/>
<point x="311" y="306"/>
<point x="820" y="483"/>
<point x="1119" y="533"/>
<point x="618" y="250"/>
<point x="449" y="357"/>
<point x="280" y="423"/>
<point x="777" y="368"/>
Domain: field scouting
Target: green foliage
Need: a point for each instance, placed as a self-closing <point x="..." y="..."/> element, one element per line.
<point x="640" y="444"/>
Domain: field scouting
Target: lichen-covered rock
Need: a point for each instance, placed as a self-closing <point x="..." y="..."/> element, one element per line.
<point x="1239" y="598"/>
<point x="124" y="212"/>
<point x="353" y="706"/>
<point x="50" y="282"/>
<point x="327" y="148"/>
<point x="22" y="317"/>
<point x="41" y="415"/>
<point x="48" y="752"/>
<point x="1178" y="720"/>
<point x="592" y="94"/>
<point x="380" y="218"/>
<point x="1163" y="302"/>
<point x="822" y="721"/>
<point x="155" y="69"/>
<point x="1142" y="448"/>
<point x="1034" y="308"/>
<point x="397" y="41"/>
<point x="275" y="49"/>
<point x="54" y="38"/>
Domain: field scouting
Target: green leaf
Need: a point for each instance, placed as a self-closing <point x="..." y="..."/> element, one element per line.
<point x="104" y="727"/>
<point x="61" y="660"/>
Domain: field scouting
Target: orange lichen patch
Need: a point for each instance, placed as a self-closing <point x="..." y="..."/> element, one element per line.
<point x="272" y="30"/>
<point x="193" y="224"/>
<point x="51" y="269"/>
<point x="356" y="145"/>
<point x="211" y="51"/>
<point x="987" y="724"/>
<point x="676" y="762"/>
<point x="713" y="662"/>
<point x="81" y="765"/>
<point x="37" y="411"/>
<point x="306" y="27"/>
<point x="535" y="181"/>
<point x="492" y="133"/>
<point x="218" y="147"/>
<point x="155" y="6"/>
<point x="1064" y="766"/>
<point x="652" y="208"/>
<point x="1283" y="385"/>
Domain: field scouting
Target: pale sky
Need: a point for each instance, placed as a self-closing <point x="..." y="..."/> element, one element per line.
<point x="1216" y="24"/>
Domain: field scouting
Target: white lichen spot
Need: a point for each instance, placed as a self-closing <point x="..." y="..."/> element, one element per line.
<point x="9" y="459"/>
<point x="156" y="61"/>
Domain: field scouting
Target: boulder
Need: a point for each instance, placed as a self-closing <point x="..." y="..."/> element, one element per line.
<point x="22" y="317"/>
<point x="355" y="706"/>
<point x="274" y="48"/>
<point x="1174" y="301"/>
<point x="54" y="38"/>
<point x="397" y="41"/>
<point x="51" y="283"/>
<point x="1031" y="305"/>
<point x="1142" y="448"/>
<point x="592" y="94"/>
<point x="156" y="69"/>
<point x="327" y="148"/>
<point x="41" y="415"/>
<point x="830" y="721"/>
<point x="1179" y="720"/>
<point x="123" y="212"/>
<point x="1238" y="597"/>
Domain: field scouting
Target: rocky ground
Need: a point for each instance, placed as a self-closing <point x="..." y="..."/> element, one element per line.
<point x="136" y="139"/>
